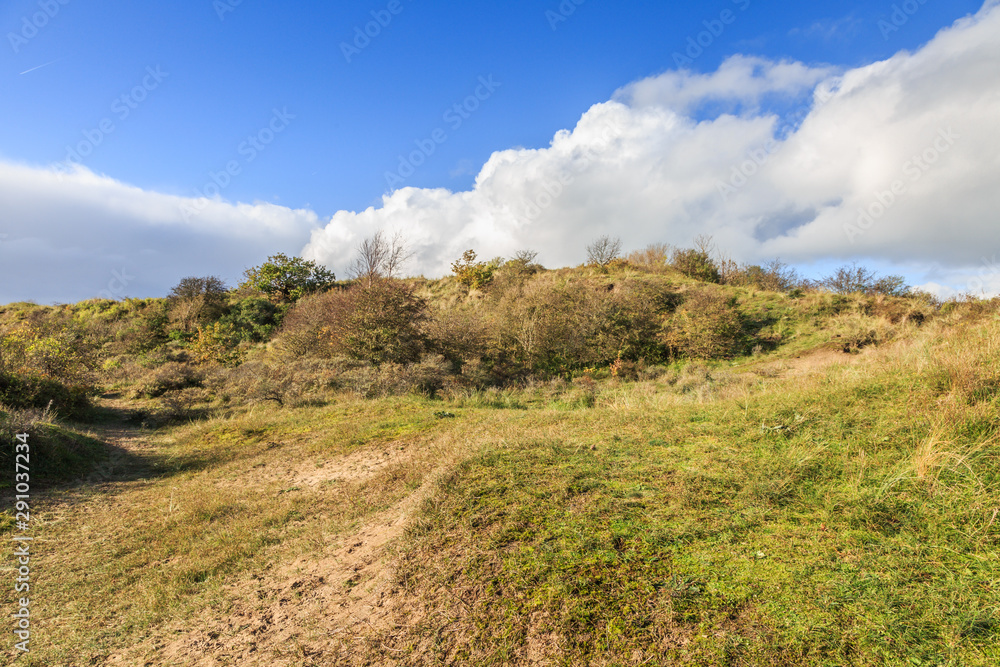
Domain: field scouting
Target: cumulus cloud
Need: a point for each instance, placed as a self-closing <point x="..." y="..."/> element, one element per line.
<point x="742" y="81"/>
<point x="894" y="162"/>
<point x="77" y="235"/>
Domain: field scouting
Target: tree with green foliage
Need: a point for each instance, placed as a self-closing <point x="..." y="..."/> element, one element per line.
<point x="253" y="319"/>
<point x="285" y="279"/>
<point x="474" y="274"/>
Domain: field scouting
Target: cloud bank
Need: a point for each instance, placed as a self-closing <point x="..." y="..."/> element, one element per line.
<point x="67" y="236"/>
<point x="895" y="162"/>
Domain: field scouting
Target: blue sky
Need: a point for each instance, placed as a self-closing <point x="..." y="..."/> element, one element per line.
<point x="164" y="97"/>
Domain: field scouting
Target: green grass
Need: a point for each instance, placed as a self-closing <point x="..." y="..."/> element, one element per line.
<point x="746" y="512"/>
<point x="797" y="528"/>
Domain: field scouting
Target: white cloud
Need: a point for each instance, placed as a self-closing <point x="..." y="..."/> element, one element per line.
<point x="658" y="176"/>
<point x="652" y="164"/>
<point x="744" y="80"/>
<point x="72" y="236"/>
<point x="830" y="29"/>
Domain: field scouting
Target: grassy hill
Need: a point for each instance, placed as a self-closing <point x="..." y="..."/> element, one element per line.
<point x="571" y="467"/>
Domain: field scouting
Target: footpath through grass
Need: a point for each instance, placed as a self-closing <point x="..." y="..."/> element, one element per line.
<point x="736" y="515"/>
<point x="845" y="519"/>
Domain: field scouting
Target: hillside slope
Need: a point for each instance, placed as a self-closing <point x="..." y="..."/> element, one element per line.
<point x="829" y="496"/>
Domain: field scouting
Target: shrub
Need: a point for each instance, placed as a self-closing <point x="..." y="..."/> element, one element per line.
<point x="217" y="343"/>
<point x="775" y="276"/>
<point x="57" y="454"/>
<point x="473" y="274"/>
<point x="197" y="301"/>
<point x="171" y="376"/>
<point x="654" y="257"/>
<point x="378" y="322"/>
<point x="33" y="391"/>
<point x="253" y="320"/>
<point x="856" y="331"/>
<point x="707" y="326"/>
<point x="459" y="334"/>
<point x="696" y="264"/>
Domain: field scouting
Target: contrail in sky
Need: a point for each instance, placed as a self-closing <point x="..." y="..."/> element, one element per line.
<point x="41" y="66"/>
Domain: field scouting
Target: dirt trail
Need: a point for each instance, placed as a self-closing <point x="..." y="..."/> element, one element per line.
<point x="315" y="609"/>
<point x="812" y="361"/>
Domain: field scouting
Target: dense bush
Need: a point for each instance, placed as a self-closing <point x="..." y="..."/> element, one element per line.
<point x="195" y="302"/>
<point x="285" y="279"/>
<point x="171" y="376"/>
<point x="472" y="273"/>
<point x="551" y="327"/>
<point x="377" y="322"/>
<point x="707" y="326"/>
<point x="253" y="320"/>
<point x="696" y="264"/>
<point x="33" y="391"/>
<point x="654" y="258"/>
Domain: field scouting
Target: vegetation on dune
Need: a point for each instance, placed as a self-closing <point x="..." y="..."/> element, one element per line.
<point x="662" y="457"/>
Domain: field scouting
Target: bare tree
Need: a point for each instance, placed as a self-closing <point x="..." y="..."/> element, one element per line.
<point x="705" y="244"/>
<point x="380" y="256"/>
<point x="862" y="280"/>
<point x="604" y="250"/>
<point x="525" y="257"/>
